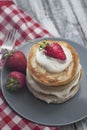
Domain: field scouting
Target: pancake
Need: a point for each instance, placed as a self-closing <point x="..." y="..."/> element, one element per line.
<point x="40" y="74"/>
<point x="53" y="94"/>
<point x="50" y="79"/>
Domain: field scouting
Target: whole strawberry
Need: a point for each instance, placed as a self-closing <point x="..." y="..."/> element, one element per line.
<point x="53" y="50"/>
<point x="16" y="80"/>
<point x="16" y="61"/>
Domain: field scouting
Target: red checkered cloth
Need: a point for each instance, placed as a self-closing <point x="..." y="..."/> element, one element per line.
<point x="12" y="16"/>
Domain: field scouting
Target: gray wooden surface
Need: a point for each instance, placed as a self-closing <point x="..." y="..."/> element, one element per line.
<point x="62" y="18"/>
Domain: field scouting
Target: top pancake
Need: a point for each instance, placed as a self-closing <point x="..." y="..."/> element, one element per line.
<point x="41" y="75"/>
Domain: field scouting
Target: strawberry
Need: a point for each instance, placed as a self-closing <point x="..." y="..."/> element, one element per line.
<point x="16" y="61"/>
<point x="55" y="50"/>
<point x="16" y="80"/>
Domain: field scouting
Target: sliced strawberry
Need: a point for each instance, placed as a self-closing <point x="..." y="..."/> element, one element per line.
<point x="55" y="50"/>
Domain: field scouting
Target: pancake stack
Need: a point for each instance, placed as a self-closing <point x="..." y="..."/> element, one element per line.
<point x="53" y="80"/>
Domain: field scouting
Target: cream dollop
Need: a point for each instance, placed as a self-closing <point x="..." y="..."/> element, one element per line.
<point x="53" y="65"/>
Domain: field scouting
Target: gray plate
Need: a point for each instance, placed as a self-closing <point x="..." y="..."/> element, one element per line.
<point x="26" y="105"/>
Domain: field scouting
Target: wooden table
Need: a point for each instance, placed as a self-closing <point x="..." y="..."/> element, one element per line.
<point x="62" y="18"/>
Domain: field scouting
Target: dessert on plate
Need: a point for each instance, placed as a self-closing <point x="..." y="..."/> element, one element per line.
<point x="53" y="71"/>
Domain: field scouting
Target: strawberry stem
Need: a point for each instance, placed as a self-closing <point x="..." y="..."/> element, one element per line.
<point x="42" y="46"/>
<point x="12" y="84"/>
<point x="7" y="53"/>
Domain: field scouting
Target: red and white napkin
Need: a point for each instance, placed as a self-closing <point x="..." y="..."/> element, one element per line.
<point x="11" y="17"/>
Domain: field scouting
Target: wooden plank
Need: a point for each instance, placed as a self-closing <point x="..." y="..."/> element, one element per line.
<point x="65" y="20"/>
<point x="82" y="125"/>
<point x="56" y="16"/>
<point x="44" y="19"/>
<point x="80" y="14"/>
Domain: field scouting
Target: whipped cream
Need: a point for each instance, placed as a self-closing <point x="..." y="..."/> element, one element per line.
<point x="53" y="65"/>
